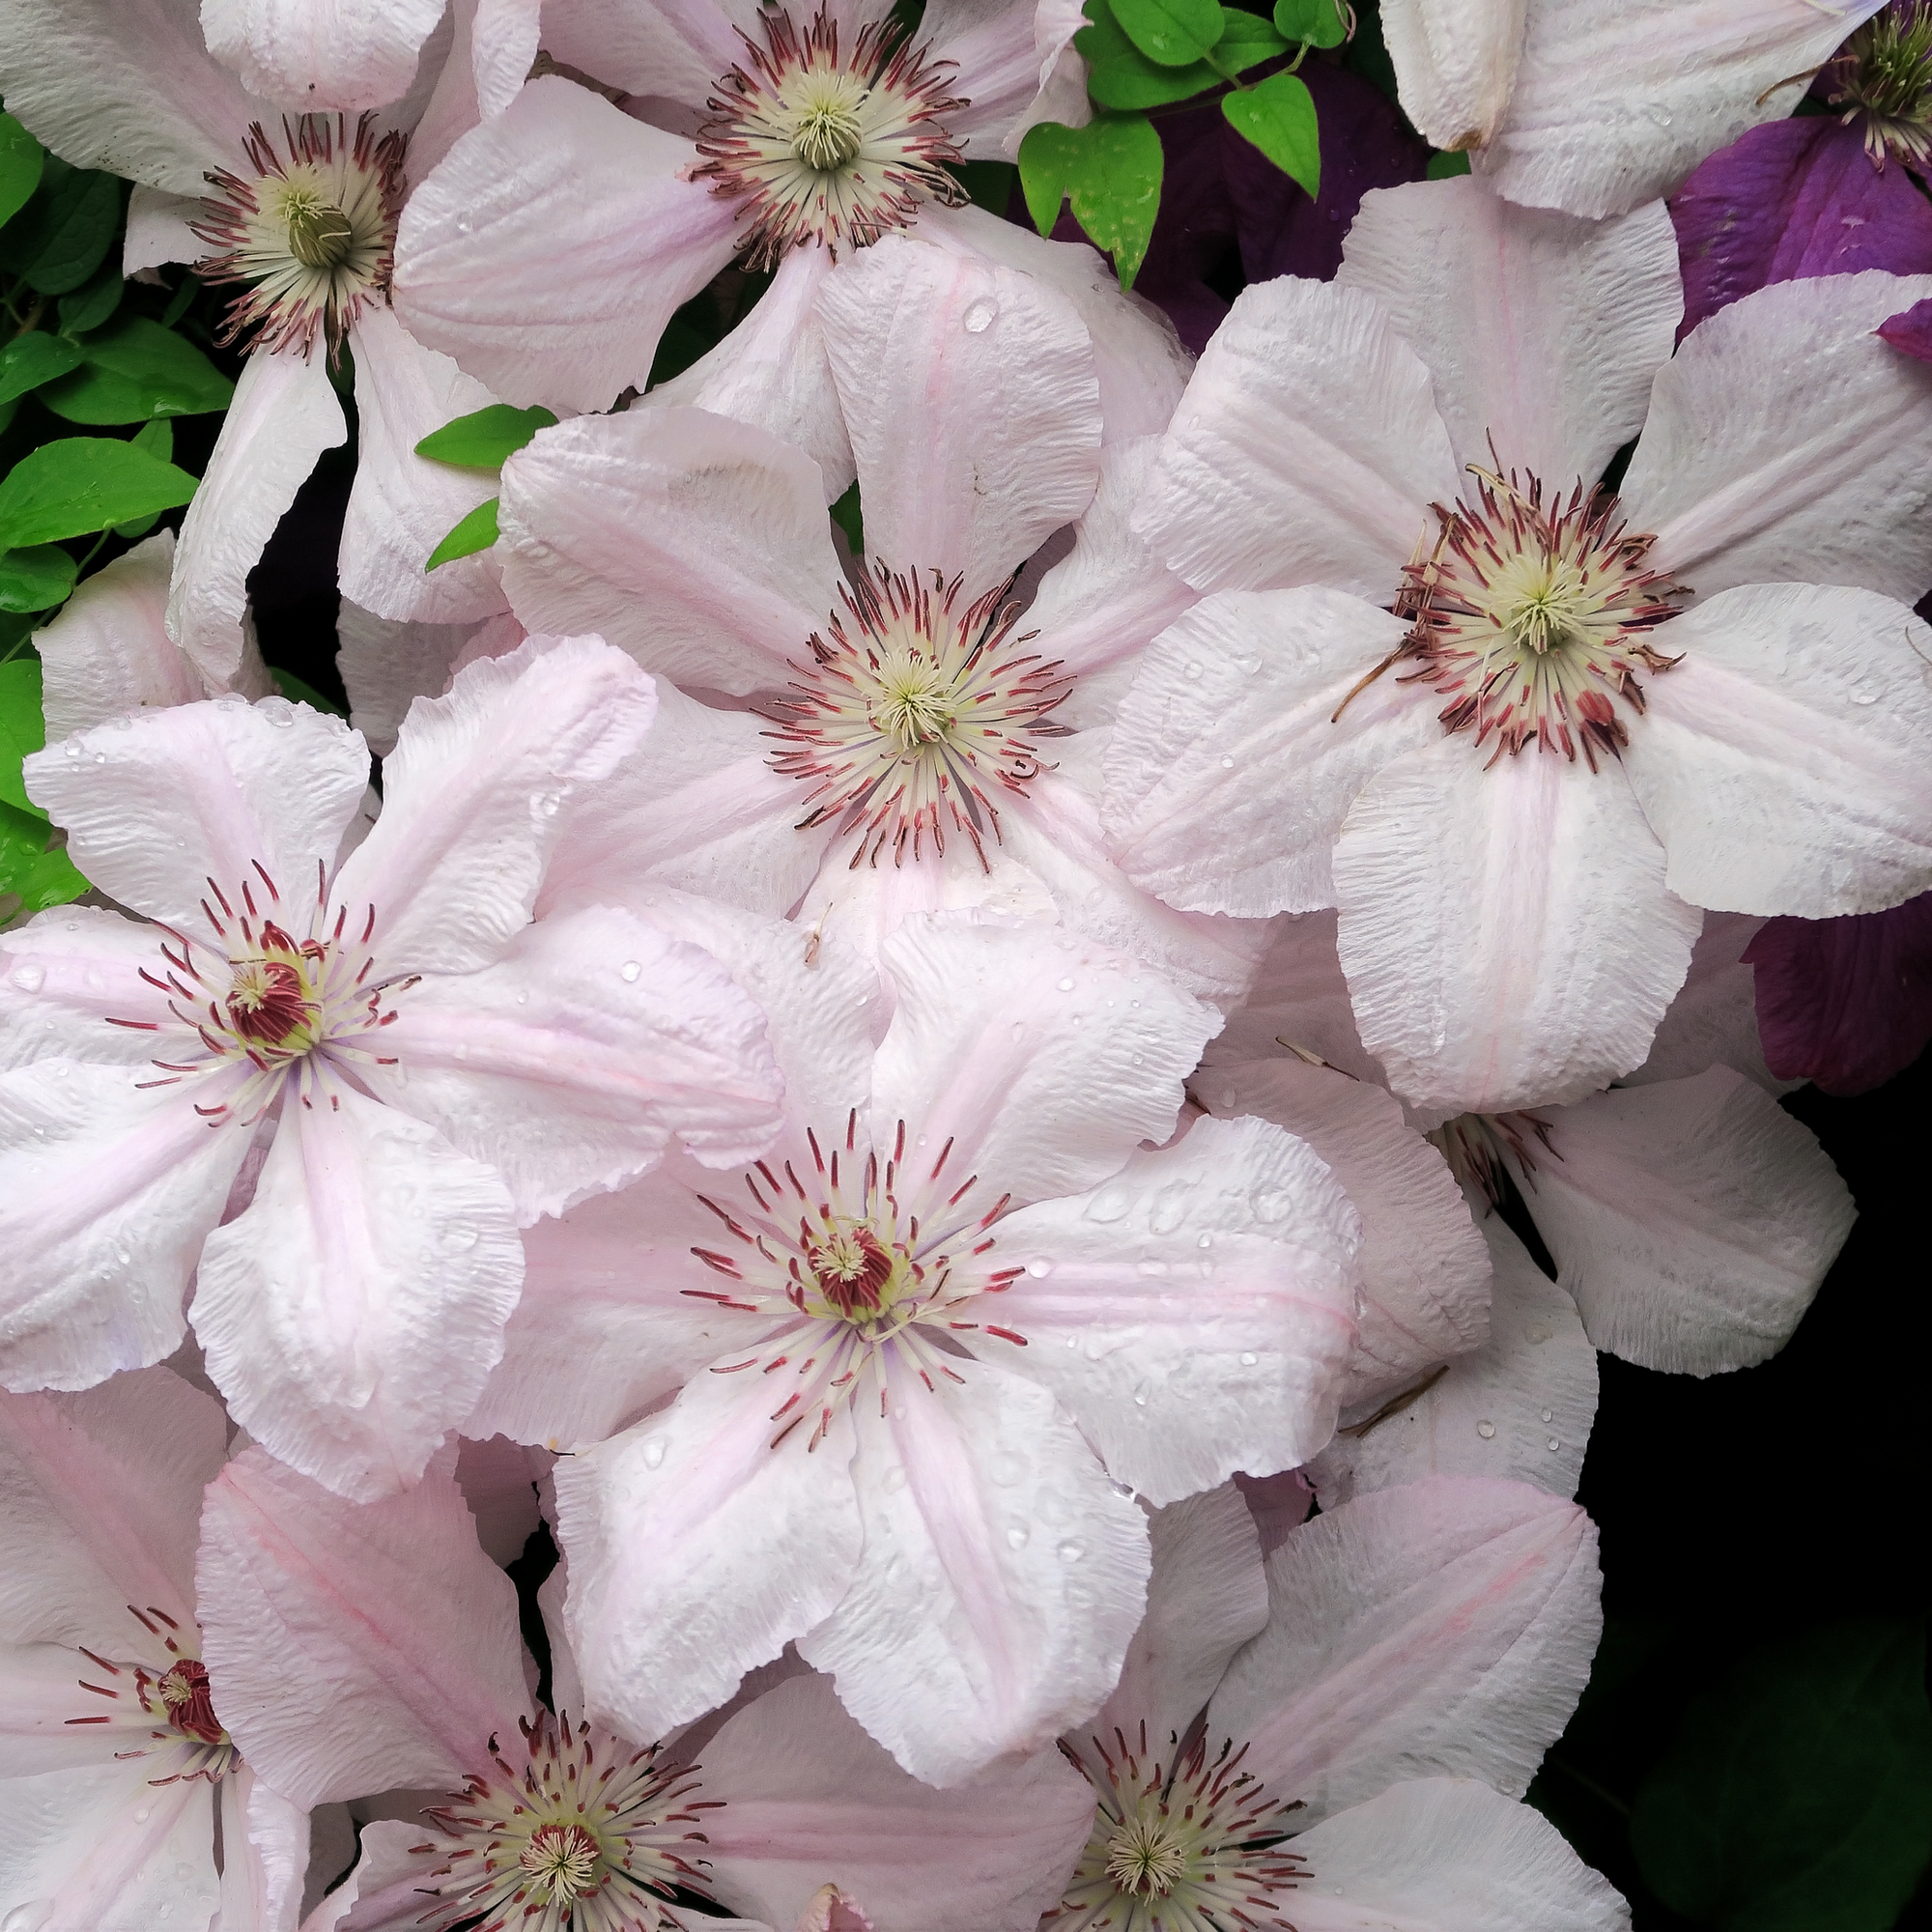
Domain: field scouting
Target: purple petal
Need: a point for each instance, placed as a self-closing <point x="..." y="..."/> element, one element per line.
<point x="1845" y="1001"/>
<point x="1364" y="146"/>
<point x="1911" y="329"/>
<point x="1794" y="199"/>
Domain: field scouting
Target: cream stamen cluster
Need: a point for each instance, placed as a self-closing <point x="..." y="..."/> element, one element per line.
<point x="294" y="1009"/>
<point x="1883" y="77"/>
<point x="1194" y="1848"/>
<point x="906" y="725"/>
<point x="315" y="233"/>
<point x="1533" y="619"/>
<point x="829" y="145"/>
<point x="186" y="1740"/>
<point x="590" y="1834"/>
<point x="863" y="1264"/>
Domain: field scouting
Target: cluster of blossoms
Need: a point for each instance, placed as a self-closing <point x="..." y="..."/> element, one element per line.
<point x="946" y="1120"/>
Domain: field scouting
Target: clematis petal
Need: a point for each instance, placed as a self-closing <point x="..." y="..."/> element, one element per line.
<point x="102" y="1850"/>
<point x="1110" y="596"/>
<point x="1138" y="359"/>
<point x="994" y="42"/>
<point x="1239" y="749"/>
<point x="1195" y="1313"/>
<point x="1446" y="1626"/>
<point x="1042" y="1059"/>
<point x="698" y="544"/>
<point x="473" y="796"/>
<point x="563" y="194"/>
<point x="283" y="415"/>
<point x="108" y="652"/>
<point x="386" y="665"/>
<point x="1449" y="1854"/>
<point x="806" y="1792"/>
<point x="1713" y="1021"/>
<point x="1307" y="448"/>
<point x="697" y="1550"/>
<point x="1541" y="331"/>
<point x="616" y="1314"/>
<point x="36" y="1731"/>
<point x="402" y="505"/>
<point x="380" y="1893"/>
<point x="935" y="351"/>
<point x="1814" y="480"/>
<point x="674" y="50"/>
<point x="1693" y="1221"/>
<point x="124" y="85"/>
<point x="1425" y="1270"/>
<point x="573" y="1062"/>
<point x="356" y="1646"/>
<point x="1519" y="1406"/>
<point x="106" y="1193"/>
<point x="158" y="230"/>
<point x="1001" y="1579"/>
<point x="255" y="794"/>
<point x="1507" y="935"/>
<point x="1207" y="1597"/>
<point x="1616" y="105"/>
<point x="770" y="372"/>
<point x="1298" y="1000"/>
<point x="1455" y="68"/>
<point x="61" y="972"/>
<point x="696" y="807"/>
<point x="353" y="1313"/>
<point x="102" y="1489"/>
<point x="1783" y="760"/>
<point x="321" y="55"/>
<point x="265" y="1855"/>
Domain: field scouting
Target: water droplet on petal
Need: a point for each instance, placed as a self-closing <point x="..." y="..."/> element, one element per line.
<point x="1017" y="1537"/>
<point x="458" y="1239"/>
<point x="1547" y="1416"/>
<point x="1064" y="985"/>
<point x="654" y="1452"/>
<point x="979" y="317"/>
<point x="1556" y="1443"/>
<point x="1249" y="1358"/>
<point x="1537" y="1332"/>
<point x="1865" y="691"/>
<point x="1206" y="1241"/>
<point x="1038" y="1267"/>
<point x="1486" y="1430"/>
<point x="29" y="976"/>
<point x="630" y="971"/>
<point x="1072" y="1552"/>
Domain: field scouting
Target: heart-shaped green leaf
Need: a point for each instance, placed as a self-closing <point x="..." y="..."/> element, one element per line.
<point x="35" y="578"/>
<point x="1109" y="170"/>
<point x="1324" y="23"/>
<point x="136" y="371"/>
<point x="1278" y="116"/>
<point x="29" y="360"/>
<point x="1173" y="33"/>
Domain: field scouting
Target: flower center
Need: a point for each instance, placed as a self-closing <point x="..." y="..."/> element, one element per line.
<point x="911" y="715"/>
<point x="861" y="1266"/>
<point x="577" y="1830"/>
<point x="168" y="1718"/>
<point x="829" y="145"/>
<point x="1883" y="74"/>
<point x="1532" y="620"/>
<point x="308" y="1007"/>
<point x="1479" y="1148"/>
<point x="313" y="232"/>
<point x="1195" y="1848"/>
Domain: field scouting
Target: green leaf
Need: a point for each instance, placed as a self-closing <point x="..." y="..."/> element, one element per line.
<point x="485" y="440"/>
<point x="1120" y="76"/>
<point x="24" y="731"/>
<point x="845" y="513"/>
<point x="1796" y="1795"/>
<point x="81" y="484"/>
<point x="158" y="438"/>
<point x="1172" y="33"/>
<point x="29" y="360"/>
<point x="989" y="184"/>
<point x="1324" y="23"/>
<point x="298" y="692"/>
<point x="1278" y="116"/>
<point x="21" y="159"/>
<point x="35" y="578"/>
<point x="1447" y="167"/>
<point x="1110" y="170"/>
<point x="65" y="229"/>
<point x="94" y="302"/>
<point x="476" y="531"/>
<point x="29" y="874"/>
<point x="178" y="301"/>
<point x="135" y="371"/>
<point x="1248" y="41"/>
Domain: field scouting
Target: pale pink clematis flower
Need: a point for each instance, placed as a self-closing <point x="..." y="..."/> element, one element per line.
<point x="1520" y="786"/>
<point x="300" y="208"/>
<point x="373" y="1649"/>
<point x="1380" y="1692"/>
<point x="547" y="253"/>
<point x="915" y="742"/>
<point x="117" y="1772"/>
<point x="1595" y="108"/>
<point x="428" y="1069"/>
<point x="1690" y="1218"/>
<point x="897" y="1378"/>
